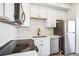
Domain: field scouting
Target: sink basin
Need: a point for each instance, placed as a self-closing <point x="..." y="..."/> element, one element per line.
<point x="38" y="36"/>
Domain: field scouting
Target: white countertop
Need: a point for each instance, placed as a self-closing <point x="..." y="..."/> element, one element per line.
<point x="53" y="36"/>
<point x="31" y="37"/>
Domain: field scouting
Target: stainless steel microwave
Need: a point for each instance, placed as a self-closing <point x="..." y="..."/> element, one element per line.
<point x="12" y="13"/>
<point x="19" y="15"/>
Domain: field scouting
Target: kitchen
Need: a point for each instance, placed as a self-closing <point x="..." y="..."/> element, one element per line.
<point x="37" y="21"/>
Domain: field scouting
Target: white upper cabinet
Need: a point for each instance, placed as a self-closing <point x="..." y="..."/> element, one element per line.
<point x="38" y="11"/>
<point x="26" y="9"/>
<point x="35" y="11"/>
<point x="61" y="15"/>
<point x="9" y="11"/>
<point x="1" y="9"/>
<point x="43" y="12"/>
<point x="51" y="18"/>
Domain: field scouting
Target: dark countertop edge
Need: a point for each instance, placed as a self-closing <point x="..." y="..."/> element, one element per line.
<point x="5" y="44"/>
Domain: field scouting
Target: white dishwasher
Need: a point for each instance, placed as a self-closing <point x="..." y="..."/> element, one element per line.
<point x="54" y="45"/>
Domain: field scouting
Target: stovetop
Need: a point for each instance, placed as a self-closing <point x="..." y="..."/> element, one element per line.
<point x="16" y="46"/>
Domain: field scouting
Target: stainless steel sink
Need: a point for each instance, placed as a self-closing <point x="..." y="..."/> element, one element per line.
<point x="38" y="36"/>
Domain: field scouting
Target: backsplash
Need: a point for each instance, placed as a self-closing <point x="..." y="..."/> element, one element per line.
<point x="32" y="29"/>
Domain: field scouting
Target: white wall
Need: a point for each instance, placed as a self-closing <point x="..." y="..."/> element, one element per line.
<point x="7" y="33"/>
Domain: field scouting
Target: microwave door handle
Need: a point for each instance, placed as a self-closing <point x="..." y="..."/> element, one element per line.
<point x="23" y="16"/>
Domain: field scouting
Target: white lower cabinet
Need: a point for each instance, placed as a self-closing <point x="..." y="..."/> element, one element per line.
<point x="47" y="46"/>
<point x="45" y="50"/>
<point x="43" y="45"/>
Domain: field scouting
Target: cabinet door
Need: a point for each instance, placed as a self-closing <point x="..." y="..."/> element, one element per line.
<point x="43" y="12"/>
<point x="1" y="9"/>
<point x="9" y="11"/>
<point x="51" y="19"/>
<point x="61" y="15"/>
<point x="35" y="11"/>
<point x="45" y="47"/>
<point x="45" y="50"/>
<point x="26" y="9"/>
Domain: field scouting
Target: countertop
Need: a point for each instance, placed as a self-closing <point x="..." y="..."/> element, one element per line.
<point x="31" y="37"/>
<point x="54" y="36"/>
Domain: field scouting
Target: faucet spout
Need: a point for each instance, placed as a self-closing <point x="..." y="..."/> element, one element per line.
<point x="38" y="31"/>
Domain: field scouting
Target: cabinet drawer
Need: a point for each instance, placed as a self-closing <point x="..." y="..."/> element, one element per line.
<point x="42" y="40"/>
<point x="37" y="41"/>
<point x="45" y="40"/>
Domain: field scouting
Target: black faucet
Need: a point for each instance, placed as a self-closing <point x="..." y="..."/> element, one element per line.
<point x="38" y="30"/>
